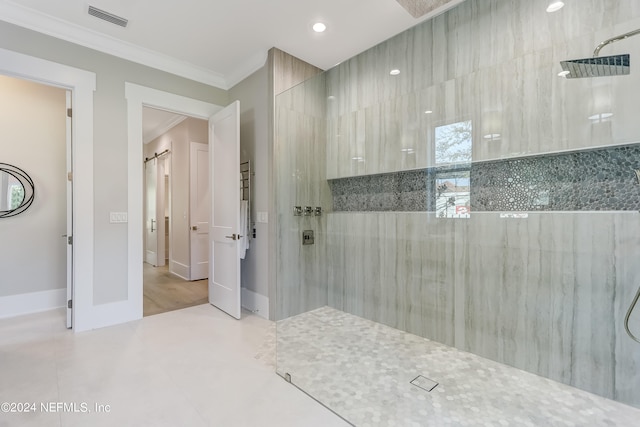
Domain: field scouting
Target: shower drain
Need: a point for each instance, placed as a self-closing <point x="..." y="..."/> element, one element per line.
<point x="424" y="383"/>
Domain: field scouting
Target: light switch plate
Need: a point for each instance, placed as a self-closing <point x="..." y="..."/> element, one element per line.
<point x="263" y="217"/>
<point x="118" y="217"/>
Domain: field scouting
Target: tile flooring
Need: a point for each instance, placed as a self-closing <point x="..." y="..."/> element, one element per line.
<point x="199" y="367"/>
<point x="362" y="370"/>
<point x="192" y="367"/>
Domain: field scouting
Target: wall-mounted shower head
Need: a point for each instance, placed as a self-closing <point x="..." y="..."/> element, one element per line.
<point x="616" y="65"/>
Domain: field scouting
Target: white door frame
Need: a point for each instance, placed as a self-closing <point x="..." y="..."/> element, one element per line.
<point x="138" y="97"/>
<point x="82" y="85"/>
<point x="69" y="190"/>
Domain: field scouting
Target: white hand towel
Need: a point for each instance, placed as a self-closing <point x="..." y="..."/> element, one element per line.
<point x="244" y="228"/>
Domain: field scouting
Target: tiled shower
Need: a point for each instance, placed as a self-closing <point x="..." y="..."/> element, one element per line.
<point x="475" y="200"/>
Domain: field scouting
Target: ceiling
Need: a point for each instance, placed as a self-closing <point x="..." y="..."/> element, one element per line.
<point x="220" y="42"/>
<point x="156" y="122"/>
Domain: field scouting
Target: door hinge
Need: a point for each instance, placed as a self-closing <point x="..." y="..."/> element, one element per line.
<point x="70" y="240"/>
<point x="69" y="176"/>
<point x="70" y="304"/>
<point x="69" y="112"/>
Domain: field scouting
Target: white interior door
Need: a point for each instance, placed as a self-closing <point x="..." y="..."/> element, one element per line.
<point x="199" y="201"/>
<point x="151" y="220"/>
<point x="224" y="275"/>
<point x="69" y="217"/>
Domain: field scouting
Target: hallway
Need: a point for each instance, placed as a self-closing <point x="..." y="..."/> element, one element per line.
<point x="165" y="292"/>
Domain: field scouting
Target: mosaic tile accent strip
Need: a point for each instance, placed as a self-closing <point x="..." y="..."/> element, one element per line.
<point x="599" y="179"/>
<point x="390" y="192"/>
<point x="362" y="370"/>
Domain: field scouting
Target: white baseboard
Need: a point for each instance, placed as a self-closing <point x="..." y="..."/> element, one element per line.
<point x="33" y="302"/>
<point x="258" y="304"/>
<point x="179" y="269"/>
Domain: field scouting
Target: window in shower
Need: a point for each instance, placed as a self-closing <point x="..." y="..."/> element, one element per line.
<point x="453" y="151"/>
<point x="453" y="194"/>
<point x="453" y="143"/>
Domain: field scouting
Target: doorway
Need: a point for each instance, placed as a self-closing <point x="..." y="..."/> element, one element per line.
<point x="174" y="198"/>
<point x="39" y="234"/>
<point x="224" y="141"/>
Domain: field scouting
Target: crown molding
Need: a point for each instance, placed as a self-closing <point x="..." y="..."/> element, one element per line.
<point x="64" y="30"/>
<point x="175" y="121"/>
<point x="247" y="68"/>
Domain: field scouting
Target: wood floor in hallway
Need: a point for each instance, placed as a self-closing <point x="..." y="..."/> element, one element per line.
<point x="165" y="292"/>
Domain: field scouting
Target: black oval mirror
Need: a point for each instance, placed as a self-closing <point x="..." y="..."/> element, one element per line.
<point x="16" y="190"/>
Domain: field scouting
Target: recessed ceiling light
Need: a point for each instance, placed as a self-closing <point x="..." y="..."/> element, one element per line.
<point x="319" y="27"/>
<point x="428" y="112"/>
<point x="564" y="73"/>
<point x="394" y="72"/>
<point x="358" y="159"/>
<point x="555" y="6"/>
<point x="492" y="136"/>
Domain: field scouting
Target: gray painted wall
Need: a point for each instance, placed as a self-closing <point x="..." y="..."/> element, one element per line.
<point x="110" y="139"/>
<point x="254" y="102"/>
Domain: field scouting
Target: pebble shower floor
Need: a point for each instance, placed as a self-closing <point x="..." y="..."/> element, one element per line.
<point x="362" y="370"/>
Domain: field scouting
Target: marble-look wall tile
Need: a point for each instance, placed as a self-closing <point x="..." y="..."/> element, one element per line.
<point x="301" y="270"/>
<point x="546" y="293"/>
<point x="627" y="363"/>
<point x="463" y="65"/>
<point x="299" y="178"/>
<point x="289" y="71"/>
<point x="307" y="97"/>
<point x="384" y="268"/>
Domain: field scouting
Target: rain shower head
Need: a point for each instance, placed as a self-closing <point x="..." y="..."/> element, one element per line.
<point x="600" y="66"/>
<point x="616" y="65"/>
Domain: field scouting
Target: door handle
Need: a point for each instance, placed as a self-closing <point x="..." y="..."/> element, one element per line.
<point x="194" y="228"/>
<point x="234" y="236"/>
<point x="153" y="221"/>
